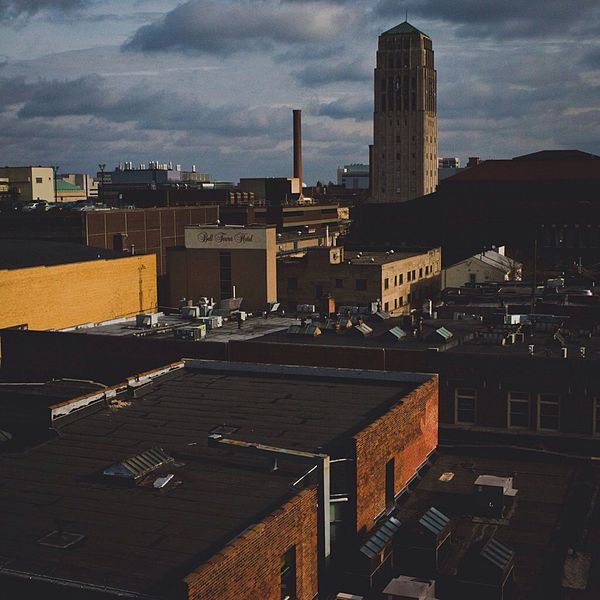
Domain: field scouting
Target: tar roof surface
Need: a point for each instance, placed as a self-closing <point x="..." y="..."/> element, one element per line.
<point x="162" y="536"/>
<point x="20" y="254"/>
<point x="530" y="528"/>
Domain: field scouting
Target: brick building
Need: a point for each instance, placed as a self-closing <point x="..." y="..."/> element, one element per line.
<point x="398" y="281"/>
<point x="185" y="482"/>
<point x="49" y="285"/>
<point x="550" y="197"/>
<point x="224" y="262"/>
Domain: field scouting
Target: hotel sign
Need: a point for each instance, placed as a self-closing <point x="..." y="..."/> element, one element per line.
<point x="226" y="238"/>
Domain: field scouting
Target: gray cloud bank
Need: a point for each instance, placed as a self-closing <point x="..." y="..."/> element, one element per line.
<point x="222" y="28"/>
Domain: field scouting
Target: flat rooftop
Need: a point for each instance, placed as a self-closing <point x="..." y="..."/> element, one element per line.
<point x="20" y="254"/>
<point x="547" y="517"/>
<point x="167" y="324"/>
<point x="144" y="540"/>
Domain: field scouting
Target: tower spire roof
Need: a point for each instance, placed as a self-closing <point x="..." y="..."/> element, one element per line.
<point x="404" y="27"/>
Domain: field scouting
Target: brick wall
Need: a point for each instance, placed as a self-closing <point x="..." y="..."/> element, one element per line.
<point x="407" y="433"/>
<point x="307" y="355"/>
<point x="249" y="567"/>
<point x="104" y="358"/>
<point x="60" y="296"/>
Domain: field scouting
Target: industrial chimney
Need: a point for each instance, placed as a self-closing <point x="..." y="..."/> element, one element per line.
<point x="298" y="146"/>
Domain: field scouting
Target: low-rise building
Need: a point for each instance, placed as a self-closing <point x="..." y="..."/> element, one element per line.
<point x="51" y="285"/>
<point x="224" y="262"/>
<point x="487" y="266"/>
<point x="396" y="281"/>
<point x="29" y="183"/>
<point x="354" y="176"/>
<point x="208" y="480"/>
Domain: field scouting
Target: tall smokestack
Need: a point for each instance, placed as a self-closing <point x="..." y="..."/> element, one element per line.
<point x="371" y="168"/>
<point x="298" y="145"/>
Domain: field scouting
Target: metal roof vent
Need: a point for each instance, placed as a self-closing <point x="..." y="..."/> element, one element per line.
<point x="434" y="521"/>
<point x="377" y="542"/>
<point x="498" y="554"/>
<point x="224" y="429"/>
<point x="397" y="333"/>
<point x="139" y="465"/>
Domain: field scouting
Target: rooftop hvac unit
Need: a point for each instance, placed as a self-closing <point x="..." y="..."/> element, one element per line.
<point x="190" y="312"/>
<point x="146" y="320"/>
<point x="306" y="308"/>
<point x="212" y="322"/>
<point x="490" y="493"/>
<point x="191" y="333"/>
<point x="409" y="588"/>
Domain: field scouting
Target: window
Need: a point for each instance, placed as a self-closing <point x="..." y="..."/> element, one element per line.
<point x="408" y="298"/>
<point x="395" y="303"/>
<point x="225" y="275"/>
<point x="39" y="180"/>
<point x="597" y="415"/>
<point x="395" y="280"/>
<point x="401" y="279"/>
<point x="339" y="283"/>
<point x="386" y="283"/>
<point x="386" y="307"/>
<point x="464" y="405"/>
<point x="408" y="277"/>
<point x="361" y="284"/>
<point x="292" y="283"/>
<point x="401" y="300"/>
<point x="427" y="270"/>
<point x="420" y="272"/>
<point x="414" y="274"/>
<point x="518" y="409"/>
<point x="288" y="575"/>
<point x="548" y="412"/>
<point x="389" y="483"/>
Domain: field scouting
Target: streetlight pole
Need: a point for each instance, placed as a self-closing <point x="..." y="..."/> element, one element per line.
<point x="55" y="172"/>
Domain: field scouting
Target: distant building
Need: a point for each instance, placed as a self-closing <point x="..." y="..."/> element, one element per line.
<point x="397" y="281"/>
<point x="405" y="119"/>
<point x="448" y="166"/>
<point x="481" y="268"/>
<point x="69" y="192"/>
<point x="151" y="177"/>
<point x="354" y="176"/>
<point x="27" y="184"/>
<point x="225" y="262"/>
<point x="272" y="191"/>
<point x="51" y="285"/>
<point x="85" y="182"/>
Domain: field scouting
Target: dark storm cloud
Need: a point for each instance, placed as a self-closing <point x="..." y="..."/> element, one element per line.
<point x="322" y="73"/>
<point x="10" y="9"/>
<point x="222" y="28"/>
<point x="509" y="19"/>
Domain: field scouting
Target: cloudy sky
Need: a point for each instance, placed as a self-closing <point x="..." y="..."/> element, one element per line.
<point x="213" y="82"/>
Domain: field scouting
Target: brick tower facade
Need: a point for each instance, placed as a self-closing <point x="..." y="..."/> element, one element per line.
<point x="405" y="116"/>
